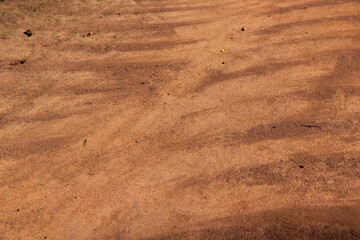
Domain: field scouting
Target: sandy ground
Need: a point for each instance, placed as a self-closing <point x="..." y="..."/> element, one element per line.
<point x="146" y="130"/>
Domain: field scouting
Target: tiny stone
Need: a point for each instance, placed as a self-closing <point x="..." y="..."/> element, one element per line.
<point x="301" y="166"/>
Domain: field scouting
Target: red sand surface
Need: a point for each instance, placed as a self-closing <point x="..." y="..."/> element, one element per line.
<point x="147" y="130"/>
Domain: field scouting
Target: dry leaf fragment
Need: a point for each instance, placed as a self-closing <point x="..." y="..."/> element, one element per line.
<point x="28" y="33"/>
<point x="89" y="34"/>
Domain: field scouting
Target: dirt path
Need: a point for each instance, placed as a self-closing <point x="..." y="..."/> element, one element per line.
<point x="147" y="130"/>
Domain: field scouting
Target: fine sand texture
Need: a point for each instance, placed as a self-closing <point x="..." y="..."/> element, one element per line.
<point x="179" y="119"/>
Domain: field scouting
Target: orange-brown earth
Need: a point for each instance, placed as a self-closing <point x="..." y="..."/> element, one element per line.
<point x="141" y="132"/>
